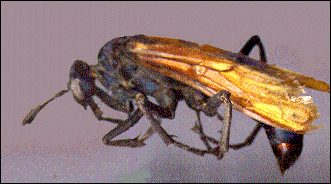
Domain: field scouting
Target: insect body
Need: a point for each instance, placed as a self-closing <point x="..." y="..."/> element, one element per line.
<point x="264" y="92"/>
<point x="171" y="70"/>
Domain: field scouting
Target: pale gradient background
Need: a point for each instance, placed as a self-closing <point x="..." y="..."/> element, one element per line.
<point x="40" y="41"/>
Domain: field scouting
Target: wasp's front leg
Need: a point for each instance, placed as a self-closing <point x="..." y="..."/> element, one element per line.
<point x="82" y="84"/>
<point x="119" y="103"/>
<point x="122" y="127"/>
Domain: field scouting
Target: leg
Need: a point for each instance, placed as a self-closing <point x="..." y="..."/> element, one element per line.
<point x="199" y="102"/>
<point x="248" y="47"/>
<point x="286" y="145"/>
<point x="122" y="127"/>
<point x="155" y="123"/>
<point x="249" y="140"/>
<point x="199" y="130"/>
<point x="210" y="109"/>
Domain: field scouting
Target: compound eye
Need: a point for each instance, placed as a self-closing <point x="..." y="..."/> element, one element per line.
<point x="81" y="83"/>
<point x="82" y="91"/>
<point x="77" y="91"/>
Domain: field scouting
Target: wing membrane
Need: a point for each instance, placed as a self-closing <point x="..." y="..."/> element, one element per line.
<point x="264" y="92"/>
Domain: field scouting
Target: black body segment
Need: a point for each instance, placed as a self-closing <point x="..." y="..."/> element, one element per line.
<point x="130" y="69"/>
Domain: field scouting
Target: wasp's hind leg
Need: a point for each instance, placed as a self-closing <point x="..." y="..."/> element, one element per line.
<point x="210" y="109"/>
<point x="198" y="128"/>
<point x="287" y="146"/>
<point x="250" y="44"/>
<point x="199" y="102"/>
<point x="249" y="140"/>
<point x="147" y="109"/>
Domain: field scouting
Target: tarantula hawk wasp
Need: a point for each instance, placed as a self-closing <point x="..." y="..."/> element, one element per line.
<point x="170" y="70"/>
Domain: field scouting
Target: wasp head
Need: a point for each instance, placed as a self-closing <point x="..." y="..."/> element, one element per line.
<point x="81" y="83"/>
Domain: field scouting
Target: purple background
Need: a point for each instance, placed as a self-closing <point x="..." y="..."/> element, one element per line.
<point x="40" y="41"/>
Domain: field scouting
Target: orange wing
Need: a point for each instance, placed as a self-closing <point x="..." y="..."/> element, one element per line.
<point x="263" y="92"/>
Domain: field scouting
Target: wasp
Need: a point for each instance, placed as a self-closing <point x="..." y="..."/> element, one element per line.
<point x="132" y="68"/>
